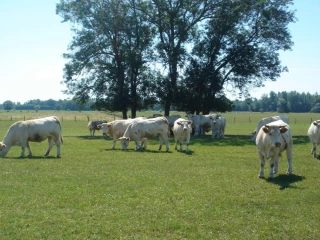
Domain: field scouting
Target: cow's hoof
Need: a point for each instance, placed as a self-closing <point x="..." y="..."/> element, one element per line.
<point x="58" y="156"/>
<point x="261" y="176"/>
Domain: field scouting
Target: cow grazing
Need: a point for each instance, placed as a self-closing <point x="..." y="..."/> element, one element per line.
<point x="265" y="121"/>
<point x="93" y="126"/>
<point x="201" y="123"/>
<point x="37" y="130"/>
<point x="182" y="131"/>
<point x="314" y="136"/>
<point x="116" y="129"/>
<point x="218" y="125"/>
<point x="147" y="128"/>
<point x="272" y="139"/>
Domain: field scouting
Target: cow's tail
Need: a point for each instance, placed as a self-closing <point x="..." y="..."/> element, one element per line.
<point x="61" y="138"/>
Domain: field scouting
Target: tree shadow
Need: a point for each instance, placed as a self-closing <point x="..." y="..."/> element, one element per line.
<point x="286" y="181"/>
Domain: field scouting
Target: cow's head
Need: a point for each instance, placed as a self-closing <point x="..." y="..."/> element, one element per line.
<point x="104" y="127"/>
<point x="124" y="142"/>
<point x="316" y="123"/>
<point x="274" y="133"/>
<point x="184" y="124"/>
<point x="2" y="146"/>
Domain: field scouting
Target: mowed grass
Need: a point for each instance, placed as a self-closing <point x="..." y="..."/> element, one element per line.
<point x="213" y="192"/>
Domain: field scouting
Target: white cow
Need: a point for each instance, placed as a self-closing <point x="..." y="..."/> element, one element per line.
<point x="116" y="129"/>
<point x="265" y="121"/>
<point x="201" y="123"/>
<point x="147" y="128"/>
<point x="171" y="120"/>
<point x="314" y="135"/>
<point x="182" y="131"/>
<point x="37" y="130"/>
<point x="93" y="125"/>
<point x="218" y="125"/>
<point x="272" y="139"/>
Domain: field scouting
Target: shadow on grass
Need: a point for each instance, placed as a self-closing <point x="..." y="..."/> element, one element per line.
<point x="207" y="140"/>
<point x="286" y="181"/>
<point x="92" y="137"/>
<point x="33" y="158"/>
<point x="133" y="150"/>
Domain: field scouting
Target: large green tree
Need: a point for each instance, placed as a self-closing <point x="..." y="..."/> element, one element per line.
<point x="107" y="56"/>
<point x="176" y="22"/>
<point x="238" y="49"/>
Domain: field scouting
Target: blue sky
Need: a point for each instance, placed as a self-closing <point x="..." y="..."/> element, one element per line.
<point x="33" y="40"/>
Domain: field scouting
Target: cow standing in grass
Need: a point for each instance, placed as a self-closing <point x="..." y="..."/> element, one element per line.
<point x="182" y="130"/>
<point x="93" y="126"/>
<point x="148" y="128"/>
<point x="116" y="129"/>
<point x="314" y="136"/>
<point x="218" y="125"/>
<point x="272" y="139"/>
<point x="37" y="130"/>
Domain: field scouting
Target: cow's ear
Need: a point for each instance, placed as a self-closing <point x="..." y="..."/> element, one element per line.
<point x="99" y="126"/>
<point x="283" y="129"/>
<point x="315" y="123"/>
<point x="2" y="145"/>
<point x="179" y="123"/>
<point x="190" y="122"/>
<point x="265" y="129"/>
<point x="109" y="125"/>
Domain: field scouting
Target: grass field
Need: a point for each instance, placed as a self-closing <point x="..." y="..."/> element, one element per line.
<point x="213" y="192"/>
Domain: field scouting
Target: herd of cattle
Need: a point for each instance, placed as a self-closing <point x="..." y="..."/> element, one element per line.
<point x="272" y="135"/>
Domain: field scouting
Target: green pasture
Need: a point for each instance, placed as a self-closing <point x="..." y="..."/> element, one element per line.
<point x="213" y="192"/>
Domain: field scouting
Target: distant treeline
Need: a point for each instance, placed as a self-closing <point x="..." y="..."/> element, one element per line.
<point x="50" y="104"/>
<point x="280" y="102"/>
<point x="273" y="102"/>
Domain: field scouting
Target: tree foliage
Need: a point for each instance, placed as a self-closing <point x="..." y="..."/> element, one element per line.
<point x="283" y="102"/>
<point x="131" y="54"/>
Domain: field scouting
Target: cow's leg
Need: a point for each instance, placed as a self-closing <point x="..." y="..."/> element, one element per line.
<point x="175" y="142"/>
<point x="187" y="144"/>
<point x="114" y="141"/>
<point x="93" y="132"/>
<point x="273" y="162"/>
<point x="313" y="149"/>
<point x="289" y="157"/>
<point x="181" y="142"/>
<point x="160" y="142"/>
<point x="164" y="138"/>
<point x="23" y="141"/>
<point x="137" y="145"/>
<point x="29" y="149"/>
<point x="50" y="145"/>
<point x="143" y="143"/>
<point x="262" y="163"/>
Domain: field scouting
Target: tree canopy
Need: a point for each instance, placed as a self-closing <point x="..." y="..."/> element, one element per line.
<point x="183" y="54"/>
